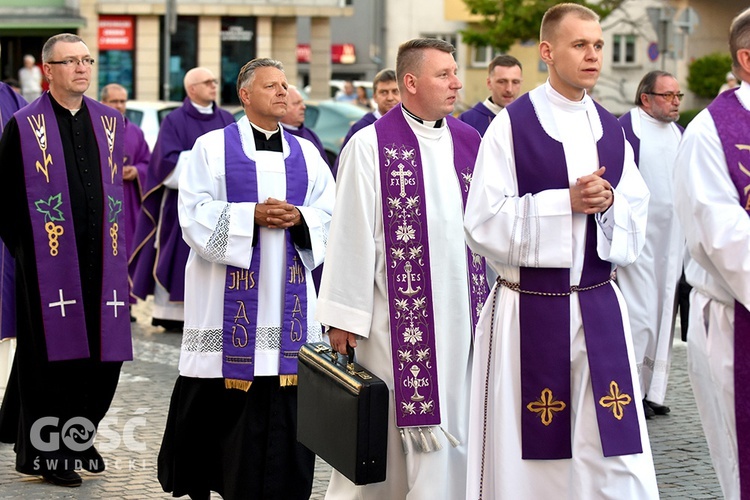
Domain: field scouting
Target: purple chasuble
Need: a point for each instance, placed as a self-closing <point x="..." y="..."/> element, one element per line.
<point x="10" y="102"/>
<point x="478" y="117"/>
<point x="734" y="134"/>
<point x="163" y="256"/>
<point x="545" y="318"/>
<point x="54" y="234"/>
<point x="408" y="271"/>
<point x="241" y="290"/>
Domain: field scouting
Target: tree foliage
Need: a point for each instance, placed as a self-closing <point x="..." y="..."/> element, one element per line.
<point x="507" y="21"/>
<point x="708" y="73"/>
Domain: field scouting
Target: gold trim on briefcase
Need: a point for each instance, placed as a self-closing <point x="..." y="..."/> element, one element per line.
<point x="316" y="354"/>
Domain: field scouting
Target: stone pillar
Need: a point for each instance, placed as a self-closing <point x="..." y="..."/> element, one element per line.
<point x="90" y="34"/>
<point x="284" y="49"/>
<point x="147" y="51"/>
<point x="209" y="45"/>
<point x="320" y="57"/>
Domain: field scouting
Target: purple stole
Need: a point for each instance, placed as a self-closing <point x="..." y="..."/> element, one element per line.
<point x="731" y="120"/>
<point x="54" y="234"/>
<point x="241" y="290"/>
<point x="408" y="272"/>
<point x="545" y="317"/>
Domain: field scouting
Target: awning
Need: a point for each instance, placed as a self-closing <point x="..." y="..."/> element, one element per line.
<point x="26" y="22"/>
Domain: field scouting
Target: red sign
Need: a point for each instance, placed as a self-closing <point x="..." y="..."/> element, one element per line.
<point x="116" y="33"/>
<point x="341" y="53"/>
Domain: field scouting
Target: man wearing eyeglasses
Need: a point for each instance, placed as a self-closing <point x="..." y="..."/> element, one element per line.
<point x="711" y="199"/>
<point x="651" y="283"/>
<point x="62" y="198"/>
<point x="158" y="263"/>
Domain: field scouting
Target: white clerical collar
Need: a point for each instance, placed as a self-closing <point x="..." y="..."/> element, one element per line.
<point x="268" y="133"/>
<point x="492" y="106"/>
<point x="558" y="99"/>
<point x="743" y="94"/>
<point x="377" y="114"/>
<point x="287" y="126"/>
<point x="429" y="124"/>
<point x="206" y="110"/>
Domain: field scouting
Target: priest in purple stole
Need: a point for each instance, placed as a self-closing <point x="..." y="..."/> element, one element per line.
<point x="399" y="282"/>
<point x="712" y="183"/>
<point x="555" y="204"/>
<point x="158" y="262"/>
<point x="386" y="95"/>
<point x="61" y="157"/>
<point x="255" y="206"/>
<point x="135" y="164"/>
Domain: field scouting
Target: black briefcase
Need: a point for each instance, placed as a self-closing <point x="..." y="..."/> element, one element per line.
<point x="342" y="413"/>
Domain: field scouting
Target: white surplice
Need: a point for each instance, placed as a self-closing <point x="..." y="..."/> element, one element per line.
<point x="717" y="229"/>
<point x="353" y="296"/>
<point x="221" y="233"/>
<point x="511" y="230"/>
<point x="649" y="284"/>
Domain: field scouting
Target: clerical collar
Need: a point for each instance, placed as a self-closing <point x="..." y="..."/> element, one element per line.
<point x="490" y="104"/>
<point x="267" y="140"/>
<point x="288" y="126"/>
<point x="206" y="110"/>
<point x="429" y="124"/>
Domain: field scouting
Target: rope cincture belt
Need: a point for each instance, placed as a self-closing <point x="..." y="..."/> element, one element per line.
<point x="516" y="287"/>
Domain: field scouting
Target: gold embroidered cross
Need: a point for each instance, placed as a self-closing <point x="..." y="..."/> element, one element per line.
<point x="615" y="400"/>
<point x="546" y="406"/>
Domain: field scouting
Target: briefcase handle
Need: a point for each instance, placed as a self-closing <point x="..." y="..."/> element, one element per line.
<point x="349" y="355"/>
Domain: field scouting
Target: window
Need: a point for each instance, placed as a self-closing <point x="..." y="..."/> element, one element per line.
<point x="481" y="56"/>
<point x="623" y="50"/>
<point x="451" y="38"/>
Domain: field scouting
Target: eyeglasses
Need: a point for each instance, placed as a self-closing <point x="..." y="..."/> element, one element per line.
<point x="669" y="96"/>
<point x="210" y="81"/>
<point x="86" y="61"/>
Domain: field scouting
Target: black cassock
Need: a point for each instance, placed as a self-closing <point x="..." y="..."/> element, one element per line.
<point x="38" y="388"/>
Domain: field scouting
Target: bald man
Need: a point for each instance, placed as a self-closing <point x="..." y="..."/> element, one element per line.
<point x="294" y="120"/>
<point x="158" y="263"/>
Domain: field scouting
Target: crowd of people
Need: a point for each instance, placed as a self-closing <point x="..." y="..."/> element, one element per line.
<point x="512" y="275"/>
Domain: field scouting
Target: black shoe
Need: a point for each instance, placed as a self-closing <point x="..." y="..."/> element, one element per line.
<point x="658" y="409"/>
<point x="92" y="461"/>
<point x="169" y="325"/>
<point x="68" y="478"/>
<point x="647" y="410"/>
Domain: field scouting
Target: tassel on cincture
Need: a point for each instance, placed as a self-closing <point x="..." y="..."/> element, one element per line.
<point x="452" y="440"/>
<point x="404" y="446"/>
<point x="422" y="439"/>
<point x="435" y="443"/>
<point x="415" y="440"/>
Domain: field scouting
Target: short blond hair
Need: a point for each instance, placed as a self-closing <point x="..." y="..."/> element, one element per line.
<point x="555" y="14"/>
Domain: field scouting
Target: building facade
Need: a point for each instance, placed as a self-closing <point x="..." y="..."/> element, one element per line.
<point x="129" y="38"/>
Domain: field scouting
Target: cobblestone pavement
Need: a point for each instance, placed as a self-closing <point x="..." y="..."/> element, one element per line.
<point x="130" y="436"/>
